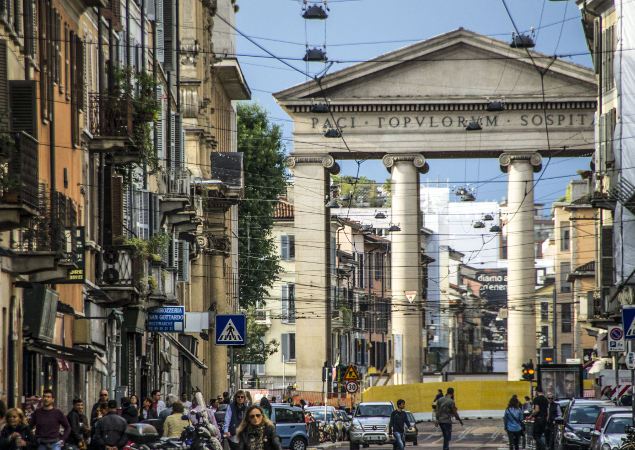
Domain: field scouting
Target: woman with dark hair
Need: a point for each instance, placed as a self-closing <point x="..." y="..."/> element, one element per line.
<point x="134" y="400"/>
<point x="256" y="432"/>
<point x="266" y="407"/>
<point x="17" y="434"/>
<point x="147" y="413"/>
<point x="513" y="419"/>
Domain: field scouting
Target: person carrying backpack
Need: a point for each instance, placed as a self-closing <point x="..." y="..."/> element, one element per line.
<point x="513" y="420"/>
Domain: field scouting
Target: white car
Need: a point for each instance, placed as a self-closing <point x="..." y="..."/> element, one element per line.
<point x="611" y="435"/>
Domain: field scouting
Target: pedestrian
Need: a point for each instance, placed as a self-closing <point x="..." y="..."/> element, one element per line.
<point x="169" y="403"/>
<point x="439" y="395"/>
<point x="157" y="403"/>
<point x="102" y="412"/>
<point x="134" y="400"/>
<point x="186" y="403"/>
<point x="47" y="421"/>
<point x="147" y="413"/>
<point x="226" y="398"/>
<point x="213" y="404"/>
<point x="220" y="399"/>
<point x="174" y="424"/>
<point x="541" y="413"/>
<point x="527" y="405"/>
<point x="551" y="429"/>
<point x="256" y="432"/>
<point x="80" y="428"/>
<point x="129" y="411"/>
<point x="266" y="407"/>
<point x="110" y="431"/>
<point x="513" y="420"/>
<point x="233" y="419"/>
<point x="446" y="409"/>
<point x="3" y="414"/>
<point x="248" y="400"/>
<point x="273" y="399"/>
<point x="103" y="397"/>
<point x="16" y="434"/>
<point x="211" y="418"/>
<point x="396" y="426"/>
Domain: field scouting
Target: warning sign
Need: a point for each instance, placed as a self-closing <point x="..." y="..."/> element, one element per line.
<point x="351" y="374"/>
<point x="410" y="295"/>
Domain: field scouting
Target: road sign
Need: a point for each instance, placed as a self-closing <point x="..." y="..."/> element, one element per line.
<point x="628" y="321"/>
<point x="351" y="374"/>
<point x="169" y="319"/>
<point x="352" y="387"/>
<point x="616" y="338"/>
<point x="410" y="295"/>
<point x="231" y="329"/>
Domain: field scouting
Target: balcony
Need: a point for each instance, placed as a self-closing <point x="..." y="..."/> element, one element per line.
<point x="111" y="122"/>
<point x="46" y="248"/>
<point x="20" y="202"/>
<point x="120" y="279"/>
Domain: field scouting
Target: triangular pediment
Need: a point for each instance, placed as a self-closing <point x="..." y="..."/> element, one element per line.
<point x="461" y="64"/>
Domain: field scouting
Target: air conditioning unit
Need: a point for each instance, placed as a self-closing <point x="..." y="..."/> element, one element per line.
<point x="118" y="266"/>
<point x="40" y="305"/>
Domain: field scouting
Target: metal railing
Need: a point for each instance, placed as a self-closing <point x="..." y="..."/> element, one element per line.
<point x="110" y="116"/>
<point x="178" y="182"/>
<point x="25" y="165"/>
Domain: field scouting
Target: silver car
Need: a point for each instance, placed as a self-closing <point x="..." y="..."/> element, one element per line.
<point x="610" y="437"/>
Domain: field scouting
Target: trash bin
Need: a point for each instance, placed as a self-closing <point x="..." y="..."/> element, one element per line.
<point x="528" y="439"/>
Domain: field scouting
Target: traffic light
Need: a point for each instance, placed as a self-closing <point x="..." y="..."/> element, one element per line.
<point x="528" y="371"/>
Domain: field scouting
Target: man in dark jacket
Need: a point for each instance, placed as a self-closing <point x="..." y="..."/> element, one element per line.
<point x="129" y="411"/>
<point x="80" y="429"/>
<point x="110" y="431"/>
<point x="94" y="413"/>
<point x="235" y="414"/>
<point x="398" y="425"/>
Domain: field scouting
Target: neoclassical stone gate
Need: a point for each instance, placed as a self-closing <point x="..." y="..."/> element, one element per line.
<point x="408" y="107"/>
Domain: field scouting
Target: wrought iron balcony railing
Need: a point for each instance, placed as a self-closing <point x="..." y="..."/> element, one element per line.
<point x="110" y="116"/>
<point x="177" y="182"/>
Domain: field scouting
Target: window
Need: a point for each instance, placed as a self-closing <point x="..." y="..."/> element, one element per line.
<point x="566" y="352"/>
<point x="288" y="346"/>
<point x="565" y="236"/>
<point x="544" y="311"/>
<point x="361" y="281"/>
<point x="565" y="269"/>
<point x="544" y="340"/>
<point x="379" y="266"/>
<point x="287" y="247"/>
<point x="608" y="47"/>
<point x="371" y="260"/>
<point x="284" y="415"/>
<point x="288" y="303"/>
<point x="565" y="319"/>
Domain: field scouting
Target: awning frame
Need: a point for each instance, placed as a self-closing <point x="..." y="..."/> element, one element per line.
<point x="184" y="351"/>
<point x="66" y="353"/>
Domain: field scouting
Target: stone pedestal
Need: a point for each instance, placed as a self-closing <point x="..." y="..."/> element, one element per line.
<point x="521" y="315"/>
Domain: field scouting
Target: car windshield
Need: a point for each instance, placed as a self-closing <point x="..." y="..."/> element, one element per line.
<point x="319" y="415"/>
<point x="373" y="411"/>
<point x="584" y="413"/>
<point x="617" y="424"/>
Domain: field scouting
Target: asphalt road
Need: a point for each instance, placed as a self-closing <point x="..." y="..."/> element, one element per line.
<point x="475" y="435"/>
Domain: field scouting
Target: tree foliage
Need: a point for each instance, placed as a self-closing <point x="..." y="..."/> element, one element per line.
<point x="256" y="351"/>
<point x="364" y="193"/>
<point x="260" y="141"/>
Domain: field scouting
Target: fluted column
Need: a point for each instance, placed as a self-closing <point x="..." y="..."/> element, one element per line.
<point x="521" y="315"/>
<point x="312" y="274"/>
<point x="405" y="259"/>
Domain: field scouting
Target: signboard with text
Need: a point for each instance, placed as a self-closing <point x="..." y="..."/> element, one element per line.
<point x="167" y="319"/>
<point x="78" y="275"/>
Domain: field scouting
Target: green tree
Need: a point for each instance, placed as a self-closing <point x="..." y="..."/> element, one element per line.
<point x="363" y="192"/>
<point x="256" y="351"/>
<point x="260" y="141"/>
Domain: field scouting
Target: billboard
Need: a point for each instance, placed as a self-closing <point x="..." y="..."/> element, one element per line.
<point x="562" y="380"/>
<point x="493" y="284"/>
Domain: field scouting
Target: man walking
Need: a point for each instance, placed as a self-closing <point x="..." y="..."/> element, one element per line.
<point x="554" y="413"/>
<point x="541" y="414"/>
<point x="110" y="431"/>
<point x="235" y="414"/>
<point x="80" y="430"/>
<point x="94" y="413"/>
<point x="157" y="403"/>
<point x="396" y="426"/>
<point x="446" y="409"/>
<point x="47" y="421"/>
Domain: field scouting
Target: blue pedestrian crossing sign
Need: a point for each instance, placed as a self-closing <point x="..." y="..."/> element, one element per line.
<point x="231" y="329"/>
<point x="628" y="322"/>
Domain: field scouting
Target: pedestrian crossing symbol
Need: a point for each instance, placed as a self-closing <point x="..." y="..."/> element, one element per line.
<point x="628" y="322"/>
<point x="230" y="329"/>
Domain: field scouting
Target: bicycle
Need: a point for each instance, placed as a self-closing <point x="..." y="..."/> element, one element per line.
<point x="629" y="440"/>
<point x="326" y="431"/>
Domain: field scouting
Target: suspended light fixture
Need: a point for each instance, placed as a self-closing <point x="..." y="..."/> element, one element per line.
<point x="394" y="228"/>
<point x="315" y="55"/>
<point x="495" y="229"/>
<point x="487" y="217"/>
<point x="468" y="198"/>
<point x="315" y="12"/>
<point x="478" y="224"/>
<point x="380" y="215"/>
<point x="522" y="41"/>
<point x="332" y="204"/>
<point x="474" y="126"/>
<point x="332" y="133"/>
<point x="345" y="197"/>
<point x="460" y="191"/>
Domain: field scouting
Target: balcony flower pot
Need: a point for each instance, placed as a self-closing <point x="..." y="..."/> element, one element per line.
<point x="148" y="117"/>
<point x="10" y="196"/>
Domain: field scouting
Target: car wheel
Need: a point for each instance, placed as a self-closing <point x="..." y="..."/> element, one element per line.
<point x="297" y="443"/>
<point x="414" y="442"/>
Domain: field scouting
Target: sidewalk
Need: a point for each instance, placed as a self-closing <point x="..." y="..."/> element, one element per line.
<point x="478" y="414"/>
<point x="329" y="445"/>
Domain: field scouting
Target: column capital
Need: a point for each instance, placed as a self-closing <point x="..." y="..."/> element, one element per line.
<point x="418" y="160"/>
<point x="210" y="244"/>
<point x="326" y="160"/>
<point x="534" y="158"/>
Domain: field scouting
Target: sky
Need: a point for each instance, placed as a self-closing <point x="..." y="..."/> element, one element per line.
<point x="358" y="30"/>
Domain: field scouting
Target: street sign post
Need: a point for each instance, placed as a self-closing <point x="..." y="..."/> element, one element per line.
<point x="352" y="387"/>
<point x="351" y="374"/>
<point x="231" y="329"/>
<point x="616" y="338"/>
<point x="167" y="319"/>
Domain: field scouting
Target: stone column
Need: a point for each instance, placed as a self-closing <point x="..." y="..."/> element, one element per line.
<point x="521" y="278"/>
<point x="312" y="275"/>
<point x="405" y="259"/>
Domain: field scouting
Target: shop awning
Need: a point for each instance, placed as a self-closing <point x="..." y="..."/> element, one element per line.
<point x="73" y="355"/>
<point x="184" y="351"/>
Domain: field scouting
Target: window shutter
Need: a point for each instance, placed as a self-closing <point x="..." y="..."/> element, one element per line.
<point x="4" y="79"/>
<point x="160" y="33"/>
<point x="183" y="268"/>
<point x="606" y="250"/>
<point x="284" y="247"/>
<point x="159" y="123"/>
<point x="154" y="214"/>
<point x="292" y="247"/>
<point x="284" y="340"/>
<point x="43" y="59"/>
<point x="18" y="18"/>
<point x="142" y="214"/>
<point x="597" y="46"/>
<point x="285" y="304"/>
<point x="168" y="35"/>
<point x="291" y="303"/>
<point x="179" y="143"/>
<point x="31" y="29"/>
<point x="58" y="49"/>
<point x="81" y="92"/>
<point x="292" y="346"/>
<point x="611" y="121"/>
<point x="173" y="140"/>
<point x="364" y="352"/>
<point x="117" y="208"/>
<point x="23" y="105"/>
